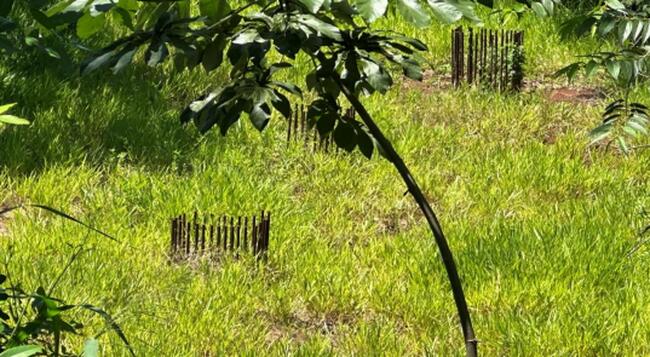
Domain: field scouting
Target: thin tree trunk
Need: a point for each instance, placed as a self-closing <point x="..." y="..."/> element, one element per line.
<point x="416" y="192"/>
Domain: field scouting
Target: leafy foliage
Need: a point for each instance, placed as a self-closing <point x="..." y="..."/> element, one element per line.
<point x="10" y="119"/>
<point x="622" y="119"/>
<point x="33" y="323"/>
<point x="30" y="320"/>
<point x="516" y="10"/>
<point x="334" y="34"/>
<point x="627" y="26"/>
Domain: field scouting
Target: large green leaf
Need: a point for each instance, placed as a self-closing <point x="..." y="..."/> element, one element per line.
<point x="444" y="11"/>
<point x="156" y="53"/>
<point x="215" y="10"/>
<point x="319" y="25"/>
<point x="312" y="5"/>
<point x="624" y="30"/>
<point x="88" y="25"/>
<point x="96" y="62"/>
<point x="10" y="119"/>
<point x="345" y="136"/>
<point x="260" y="116"/>
<point x="213" y="54"/>
<point x="615" y="4"/>
<point x="549" y="6"/>
<point x="126" y="57"/>
<point x="614" y="68"/>
<point x="22" y="351"/>
<point x="371" y="10"/>
<point x="375" y="75"/>
<point x="5" y="108"/>
<point x="413" y="12"/>
<point x="538" y="9"/>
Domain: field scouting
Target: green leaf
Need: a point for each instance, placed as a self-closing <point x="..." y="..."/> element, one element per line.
<point x="622" y="144"/>
<point x="371" y="10"/>
<point x="113" y="325"/>
<point x="126" y="58"/>
<point x="413" y="12"/>
<point x="324" y="28"/>
<point x="614" y="68"/>
<point x="215" y="10"/>
<point x="375" y="75"/>
<point x="31" y="41"/>
<point x="365" y="143"/>
<point x="549" y="6"/>
<point x="88" y="25"/>
<point x="156" y="53"/>
<point x="289" y="87"/>
<point x="570" y="71"/>
<point x="345" y="136"/>
<point x="5" y="108"/>
<point x="646" y="33"/>
<point x="600" y="133"/>
<point x="606" y="25"/>
<point x="312" y="5"/>
<point x="91" y="348"/>
<point x="213" y="55"/>
<point x="22" y="351"/>
<point x="445" y="11"/>
<point x="615" y="4"/>
<point x="260" y="116"/>
<point x="10" y="119"/>
<point x="637" y="126"/>
<point x="624" y="30"/>
<point x="538" y="9"/>
<point x="96" y="62"/>
<point x="638" y="29"/>
<point x="281" y="104"/>
<point x="590" y="68"/>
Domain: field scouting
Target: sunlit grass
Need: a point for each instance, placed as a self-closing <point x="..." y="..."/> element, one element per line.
<point x="540" y="225"/>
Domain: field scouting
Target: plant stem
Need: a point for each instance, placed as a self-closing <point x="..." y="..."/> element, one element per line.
<point x="57" y="343"/>
<point x="445" y="253"/>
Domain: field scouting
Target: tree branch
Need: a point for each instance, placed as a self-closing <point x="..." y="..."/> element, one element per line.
<point x="436" y="229"/>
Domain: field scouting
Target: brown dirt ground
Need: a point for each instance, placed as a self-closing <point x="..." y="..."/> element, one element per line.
<point x="436" y="81"/>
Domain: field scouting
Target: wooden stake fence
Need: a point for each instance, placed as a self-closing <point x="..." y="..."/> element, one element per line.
<point x="489" y="57"/>
<point x="210" y="235"/>
<point x="299" y="131"/>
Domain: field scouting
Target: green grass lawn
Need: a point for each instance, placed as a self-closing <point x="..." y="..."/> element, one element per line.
<point x="540" y="225"/>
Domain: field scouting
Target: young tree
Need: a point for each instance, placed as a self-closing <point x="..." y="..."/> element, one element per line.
<point x="348" y="58"/>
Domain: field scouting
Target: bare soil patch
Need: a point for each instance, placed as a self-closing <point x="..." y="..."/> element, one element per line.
<point x="577" y="95"/>
<point x="6" y="217"/>
<point x="438" y="81"/>
<point x="432" y="82"/>
<point x="301" y="323"/>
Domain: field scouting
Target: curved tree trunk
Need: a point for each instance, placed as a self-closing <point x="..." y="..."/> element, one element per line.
<point x="416" y="192"/>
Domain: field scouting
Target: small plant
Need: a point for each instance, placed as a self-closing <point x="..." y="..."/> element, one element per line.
<point x="625" y="28"/>
<point x="621" y="119"/>
<point x="34" y="323"/>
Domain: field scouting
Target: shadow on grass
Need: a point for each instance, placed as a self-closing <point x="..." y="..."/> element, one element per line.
<point x="92" y="118"/>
